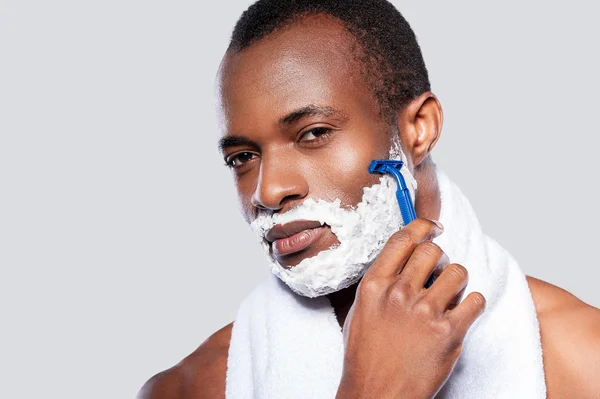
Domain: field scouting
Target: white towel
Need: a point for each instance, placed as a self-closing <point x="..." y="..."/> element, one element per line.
<point x="287" y="346"/>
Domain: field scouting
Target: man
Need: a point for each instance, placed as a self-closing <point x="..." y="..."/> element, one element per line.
<point x="310" y="92"/>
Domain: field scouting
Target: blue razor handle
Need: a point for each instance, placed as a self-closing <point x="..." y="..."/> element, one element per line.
<point x="407" y="209"/>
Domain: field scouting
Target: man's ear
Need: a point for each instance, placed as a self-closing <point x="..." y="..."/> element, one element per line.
<point x="420" y="125"/>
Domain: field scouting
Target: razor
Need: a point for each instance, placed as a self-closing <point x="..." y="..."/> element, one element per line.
<point x="402" y="194"/>
<point x="405" y="203"/>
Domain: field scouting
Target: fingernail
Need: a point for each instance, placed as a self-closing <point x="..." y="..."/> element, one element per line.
<point x="438" y="224"/>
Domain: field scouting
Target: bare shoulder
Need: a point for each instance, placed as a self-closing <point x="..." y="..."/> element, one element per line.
<point x="201" y="375"/>
<point x="570" y="334"/>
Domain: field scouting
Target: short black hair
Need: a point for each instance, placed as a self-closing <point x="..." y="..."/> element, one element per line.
<point x="392" y="63"/>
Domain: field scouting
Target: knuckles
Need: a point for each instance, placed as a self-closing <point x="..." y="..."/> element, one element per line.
<point x="430" y="249"/>
<point x="411" y="233"/>
<point x="370" y="287"/>
<point x="457" y="272"/>
<point x="399" y="293"/>
<point x="425" y="309"/>
<point x="445" y="330"/>
<point x="402" y="239"/>
<point x="427" y="314"/>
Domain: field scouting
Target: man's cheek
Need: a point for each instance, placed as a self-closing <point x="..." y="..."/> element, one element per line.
<point x="344" y="174"/>
<point x="245" y="206"/>
<point x="245" y="187"/>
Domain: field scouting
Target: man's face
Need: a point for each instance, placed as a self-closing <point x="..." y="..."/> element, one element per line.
<point x="299" y="123"/>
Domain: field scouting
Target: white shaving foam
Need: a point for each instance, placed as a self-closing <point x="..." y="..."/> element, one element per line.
<point x="362" y="232"/>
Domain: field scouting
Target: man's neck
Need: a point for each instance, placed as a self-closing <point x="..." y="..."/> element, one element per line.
<point x="342" y="301"/>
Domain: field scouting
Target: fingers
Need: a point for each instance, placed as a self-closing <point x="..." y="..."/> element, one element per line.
<point x="450" y="283"/>
<point x="465" y="314"/>
<point x="427" y="258"/>
<point x="401" y="245"/>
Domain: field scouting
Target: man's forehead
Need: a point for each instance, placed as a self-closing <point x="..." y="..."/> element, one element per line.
<point x="314" y="46"/>
<point x="288" y="70"/>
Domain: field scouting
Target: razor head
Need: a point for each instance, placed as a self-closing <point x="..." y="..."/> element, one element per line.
<point x="384" y="166"/>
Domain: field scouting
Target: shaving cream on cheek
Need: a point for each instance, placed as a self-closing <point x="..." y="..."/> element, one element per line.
<point x="361" y="231"/>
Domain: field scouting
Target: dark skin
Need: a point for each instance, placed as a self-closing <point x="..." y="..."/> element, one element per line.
<point x="324" y="155"/>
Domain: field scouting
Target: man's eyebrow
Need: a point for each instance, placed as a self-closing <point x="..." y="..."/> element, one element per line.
<point x="311" y="110"/>
<point x="234" y="141"/>
<point x="294" y="116"/>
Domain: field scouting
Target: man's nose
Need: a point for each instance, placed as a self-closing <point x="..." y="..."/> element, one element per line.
<point x="279" y="182"/>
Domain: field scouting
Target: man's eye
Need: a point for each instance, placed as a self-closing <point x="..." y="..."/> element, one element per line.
<point x="239" y="159"/>
<point x="315" y="134"/>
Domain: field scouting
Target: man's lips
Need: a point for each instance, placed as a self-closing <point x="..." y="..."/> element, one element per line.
<point x="293" y="237"/>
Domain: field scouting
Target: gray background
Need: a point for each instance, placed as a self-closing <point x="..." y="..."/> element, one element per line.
<point x="121" y="246"/>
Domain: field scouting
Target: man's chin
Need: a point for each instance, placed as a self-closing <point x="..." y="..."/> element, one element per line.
<point x="312" y="273"/>
<point x="314" y="289"/>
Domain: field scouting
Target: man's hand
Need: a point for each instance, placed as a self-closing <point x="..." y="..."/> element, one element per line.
<point x="402" y="340"/>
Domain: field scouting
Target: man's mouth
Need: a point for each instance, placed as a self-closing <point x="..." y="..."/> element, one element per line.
<point x="289" y="238"/>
